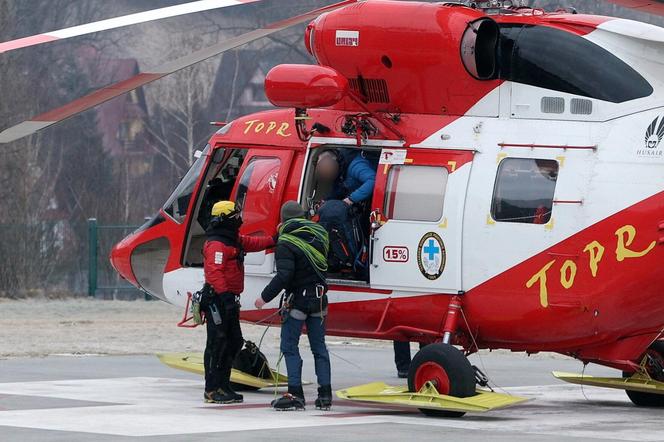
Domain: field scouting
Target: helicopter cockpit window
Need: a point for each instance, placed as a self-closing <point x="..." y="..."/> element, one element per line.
<point x="407" y="199"/>
<point x="524" y="190"/>
<point x="565" y="62"/>
<point x="178" y="203"/>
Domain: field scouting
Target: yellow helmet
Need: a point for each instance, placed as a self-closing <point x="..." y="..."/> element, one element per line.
<point x="223" y="208"/>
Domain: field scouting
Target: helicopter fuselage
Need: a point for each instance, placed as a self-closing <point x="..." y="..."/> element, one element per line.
<point x="520" y="172"/>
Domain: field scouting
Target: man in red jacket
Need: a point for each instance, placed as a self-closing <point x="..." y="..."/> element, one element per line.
<point x="223" y="258"/>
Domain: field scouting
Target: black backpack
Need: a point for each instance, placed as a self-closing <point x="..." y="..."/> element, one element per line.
<point x="252" y="361"/>
<point x="347" y="246"/>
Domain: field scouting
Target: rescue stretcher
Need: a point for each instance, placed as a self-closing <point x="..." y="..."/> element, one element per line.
<point x="193" y="363"/>
<point x="637" y="382"/>
<point x="429" y="398"/>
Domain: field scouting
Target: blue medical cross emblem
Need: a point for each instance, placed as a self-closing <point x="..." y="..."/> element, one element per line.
<point x="431" y="256"/>
<point x="431" y="249"/>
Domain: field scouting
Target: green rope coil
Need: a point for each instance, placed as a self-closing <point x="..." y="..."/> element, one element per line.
<point x="317" y="259"/>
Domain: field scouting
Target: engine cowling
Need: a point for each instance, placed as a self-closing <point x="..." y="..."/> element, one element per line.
<point x="407" y="56"/>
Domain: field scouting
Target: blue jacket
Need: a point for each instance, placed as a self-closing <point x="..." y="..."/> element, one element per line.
<point x="358" y="181"/>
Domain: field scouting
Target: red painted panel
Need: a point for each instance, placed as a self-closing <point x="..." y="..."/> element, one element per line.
<point x="121" y="252"/>
<point x="304" y="86"/>
<point x="388" y="318"/>
<point x="277" y="130"/>
<point x="623" y="299"/>
<point x="265" y="173"/>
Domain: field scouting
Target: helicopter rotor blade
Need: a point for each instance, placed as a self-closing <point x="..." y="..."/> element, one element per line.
<point x="118" y="22"/>
<point x="99" y="96"/>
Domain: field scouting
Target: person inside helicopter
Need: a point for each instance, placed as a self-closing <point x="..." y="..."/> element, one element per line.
<point x="350" y="177"/>
<point x="217" y="190"/>
<point x="351" y="172"/>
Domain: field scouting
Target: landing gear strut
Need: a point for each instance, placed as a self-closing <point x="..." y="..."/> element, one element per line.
<point x="443" y="366"/>
<point x="441" y="381"/>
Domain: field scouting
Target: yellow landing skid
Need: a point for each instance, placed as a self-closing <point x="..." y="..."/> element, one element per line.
<point x="429" y="398"/>
<point x="637" y="382"/>
<point x="193" y="362"/>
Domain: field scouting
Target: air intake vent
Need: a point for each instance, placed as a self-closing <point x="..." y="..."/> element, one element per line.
<point x="374" y="90"/>
<point x="582" y="106"/>
<point x="553" y="105"/>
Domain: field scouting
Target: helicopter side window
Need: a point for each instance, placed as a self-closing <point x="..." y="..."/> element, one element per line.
<point x="524" y="190"/>
<point x="177" y="204"/>
<point x="407" y="199"/>
<point x="561" y="61"/>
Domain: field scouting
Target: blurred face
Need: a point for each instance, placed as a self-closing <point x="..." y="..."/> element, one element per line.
<point x="327" y="168"/>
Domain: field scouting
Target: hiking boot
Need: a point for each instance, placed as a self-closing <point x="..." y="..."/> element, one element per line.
<point x="293" y="400"/>
<point x="237" y="397"/>
<point x="288" y="402"/>
<point x="324" y="400"/>
<point x="218" y="397"/>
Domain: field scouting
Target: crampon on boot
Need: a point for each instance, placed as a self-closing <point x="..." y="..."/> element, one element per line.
<point x="293" y="400"/>
<point x="324" y="400"/>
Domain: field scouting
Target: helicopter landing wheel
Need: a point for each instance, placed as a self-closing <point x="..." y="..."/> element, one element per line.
<point x="447" y="369"/>
<point x="654" y="364"/>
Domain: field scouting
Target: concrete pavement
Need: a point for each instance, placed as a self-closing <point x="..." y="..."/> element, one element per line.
<point x="128" y="397"/>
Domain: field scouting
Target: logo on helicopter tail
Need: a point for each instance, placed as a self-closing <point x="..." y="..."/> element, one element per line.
<point x="431" y="256"/>
<point x="653" y="139"/>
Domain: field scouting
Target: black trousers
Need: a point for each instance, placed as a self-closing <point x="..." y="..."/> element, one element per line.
<point x="224" y="341"/>
<point x="402" y="355"/>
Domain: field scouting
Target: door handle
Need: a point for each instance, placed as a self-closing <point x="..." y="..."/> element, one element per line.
<point x="375" y="218"/>
<point x="372" y="248"/>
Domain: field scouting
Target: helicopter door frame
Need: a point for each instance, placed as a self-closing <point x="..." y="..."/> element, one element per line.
<point x="416" y="235"/>
<point x="260" y="198"/>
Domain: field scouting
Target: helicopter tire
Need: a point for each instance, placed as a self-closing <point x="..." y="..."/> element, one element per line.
<point x="448" y="369"/>
<point x="640" y="399"/>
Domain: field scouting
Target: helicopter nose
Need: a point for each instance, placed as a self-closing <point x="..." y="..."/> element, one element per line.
<point x="141" y="257"/>
<point x="121" y="260"/>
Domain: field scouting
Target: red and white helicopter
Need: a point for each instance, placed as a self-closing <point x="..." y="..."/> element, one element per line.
<point x="519" y="196"/>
